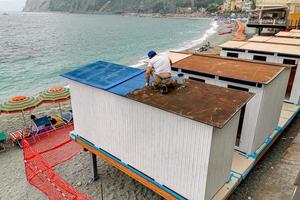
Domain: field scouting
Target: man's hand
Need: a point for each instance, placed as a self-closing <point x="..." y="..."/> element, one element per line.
<point x="147" y="85"/>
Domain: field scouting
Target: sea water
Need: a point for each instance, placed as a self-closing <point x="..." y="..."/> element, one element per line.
<point x="35" y="48"/>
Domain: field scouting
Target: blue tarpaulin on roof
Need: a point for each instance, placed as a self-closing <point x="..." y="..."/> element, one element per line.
<point x="115" y="78"/>
<point x="130" y="85"/>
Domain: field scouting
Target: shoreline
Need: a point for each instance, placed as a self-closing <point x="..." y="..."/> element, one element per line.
<point x="205" y="37"/>
<point x="194" y="15"/>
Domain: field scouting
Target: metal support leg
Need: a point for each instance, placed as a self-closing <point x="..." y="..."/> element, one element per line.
<point x="94" y="167"/>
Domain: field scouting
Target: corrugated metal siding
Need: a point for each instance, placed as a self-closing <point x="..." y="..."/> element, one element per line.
<point x="295" y="94"/>
<point x="171" y="149"/>
<point x="270" y="109"/>
<point x="224" y="141"/>
<point x="251" y="116"/>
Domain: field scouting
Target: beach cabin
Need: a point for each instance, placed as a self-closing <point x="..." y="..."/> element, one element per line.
<point x="260" y="116"/>
<point x="273" y="53"/>
<point x="275" y="40"/>
<point x="291" y="34"/>
<point x="180" y="144"/>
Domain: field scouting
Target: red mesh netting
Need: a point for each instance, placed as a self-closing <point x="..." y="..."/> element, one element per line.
<point x="41" y="154"/>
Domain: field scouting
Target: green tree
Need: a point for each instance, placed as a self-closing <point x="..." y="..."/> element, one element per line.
<point x="158" y="7"/>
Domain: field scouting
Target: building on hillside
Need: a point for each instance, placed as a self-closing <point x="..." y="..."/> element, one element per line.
<point x="248" y="5"/>
<point x="187" y="10"/>
<point x="177" y="144"/>
<point x="238" y="5"/>
<point x="227" y="6"/>
<point x="259" y="118"/>
<point x="281" y="52"/>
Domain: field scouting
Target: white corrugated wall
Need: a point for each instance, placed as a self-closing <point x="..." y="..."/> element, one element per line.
<point x="295" y="94"/>
<point x="271" y="106"/>
<point x="251" y="113"/>
<point x="171" y="149"/>
<point x="224" y="140"/>
<point x="253" y="108"/>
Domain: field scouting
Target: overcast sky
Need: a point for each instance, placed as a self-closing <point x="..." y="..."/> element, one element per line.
<point x="12" y="5"/>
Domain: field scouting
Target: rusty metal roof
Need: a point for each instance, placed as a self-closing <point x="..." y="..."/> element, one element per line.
<point x="256" y="72"/>
<point x="205" y="103"/>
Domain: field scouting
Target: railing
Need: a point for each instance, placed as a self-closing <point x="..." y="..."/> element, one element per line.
<point x="267" y="22"/>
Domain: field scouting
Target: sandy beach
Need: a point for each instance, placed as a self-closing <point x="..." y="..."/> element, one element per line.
<point x="113" y="184"/>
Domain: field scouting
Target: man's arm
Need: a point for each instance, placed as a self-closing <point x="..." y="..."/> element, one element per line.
<point x="148" y="74"/>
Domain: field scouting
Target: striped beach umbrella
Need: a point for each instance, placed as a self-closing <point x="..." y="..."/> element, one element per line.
<point x="55" y="95"/>
<point x="19" y="104"/>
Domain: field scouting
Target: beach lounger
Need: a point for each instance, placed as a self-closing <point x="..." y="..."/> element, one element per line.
<point x="58" y="122"/>
<point x="17" y="135"/>
<point x="3" y="138"/>
<point x="41" y="125"/>
<point x="67" y="117"/>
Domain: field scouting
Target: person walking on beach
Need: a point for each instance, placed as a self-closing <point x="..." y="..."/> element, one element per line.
<point x="159" y="67"/>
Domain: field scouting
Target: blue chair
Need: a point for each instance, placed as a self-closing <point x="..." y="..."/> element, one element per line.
<point x="67" y="117"/>
<point x="41" y="125"/>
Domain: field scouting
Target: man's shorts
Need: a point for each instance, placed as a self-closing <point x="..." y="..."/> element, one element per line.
<point x="157" y="80"/>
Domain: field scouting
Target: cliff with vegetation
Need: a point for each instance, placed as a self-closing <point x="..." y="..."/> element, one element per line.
<point x="116" y="6"/>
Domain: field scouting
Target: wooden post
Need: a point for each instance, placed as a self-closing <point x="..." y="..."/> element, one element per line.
<point x="94" y="167"/>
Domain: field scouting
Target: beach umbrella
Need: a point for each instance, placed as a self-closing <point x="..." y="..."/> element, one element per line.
<point x="55" y="95"/>
<point x="19" y="104"/>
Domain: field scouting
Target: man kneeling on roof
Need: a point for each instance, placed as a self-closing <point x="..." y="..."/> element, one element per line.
<point x="160" y="68"/>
